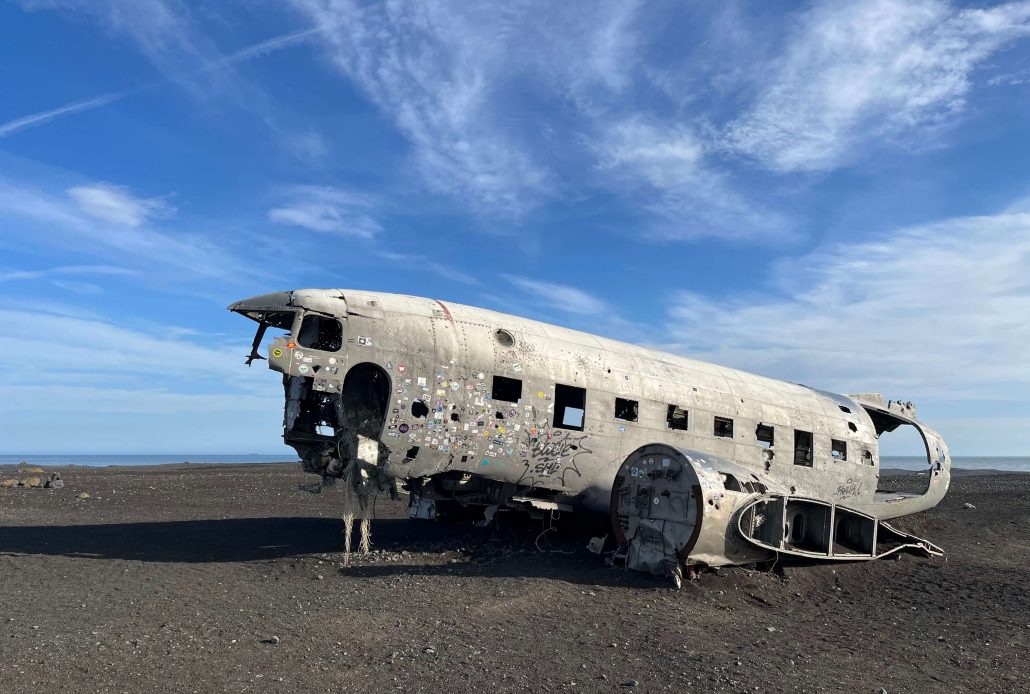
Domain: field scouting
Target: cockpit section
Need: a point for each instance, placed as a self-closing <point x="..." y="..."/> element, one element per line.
<point x="309" y="322"/>
<point x="328" y="402"/>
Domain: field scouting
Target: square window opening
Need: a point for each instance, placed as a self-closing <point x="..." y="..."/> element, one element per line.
<point x="320" y="332"/>
<point x="626" y="410"/>
<point x="765" y="435"/>
<point x="506" y="389"/>
<point x="803" y="448"/>
<point x="569" y="407"/>
<point x="677" y="418"/>
<point x="723" y="427"/>
<point x="839" y="449"/>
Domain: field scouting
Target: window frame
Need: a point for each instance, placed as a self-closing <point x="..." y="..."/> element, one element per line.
<point x="772" y="435"/>
<point x="564" y="397"/>
<point x="320" y="317"/>
<point x="504" y="382"/>
<point x="810" y="461"/>
<point x="670" y="417"/>
<point x="634" y="406"/>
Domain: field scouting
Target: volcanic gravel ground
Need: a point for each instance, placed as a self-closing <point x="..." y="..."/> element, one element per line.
<point x="205" y="578"/>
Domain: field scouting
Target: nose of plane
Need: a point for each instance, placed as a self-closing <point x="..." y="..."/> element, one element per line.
<point x="263" y="302"/>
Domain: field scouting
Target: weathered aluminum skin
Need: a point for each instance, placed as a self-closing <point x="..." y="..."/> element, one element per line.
<point x="444" y="356"/>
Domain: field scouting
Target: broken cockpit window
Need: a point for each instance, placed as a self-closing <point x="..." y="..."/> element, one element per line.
<point x="320" y="332"/>
<point x="569" y="407"/>
<point x="839" y="449"/>
<point x="281" y="320"/>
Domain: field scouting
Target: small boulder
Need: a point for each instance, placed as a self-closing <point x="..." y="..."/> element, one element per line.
<point x="83" y="495"/>
<point x="32" y="482"/>
<point x="7" y="484"/>
<point x="968" y="506"/>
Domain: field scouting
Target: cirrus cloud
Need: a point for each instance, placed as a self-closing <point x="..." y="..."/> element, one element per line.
<point x="861" y="72"/>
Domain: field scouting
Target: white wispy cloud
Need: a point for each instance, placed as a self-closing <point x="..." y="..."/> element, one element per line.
<point x="443" y="73"/>
<point x="419" y="263"/>
<point x="109" y="383"/>
<point x="587" y="62"/>
<point x="78" y="287"/>
<point x="64" y="270"/>
<point x="937" y="310"/>
<point x="117" y="205"/>
<point x="667" y="166"/>
<point x="449" y="75"/>
<point x="327" y="209"/>
<point x="1011" y="78"/>
<point x="432" y="69"/>
<point x="105" y="222"/>
<point x="856" y="73"/>
<point x="106" y="347"/>
<point x="559" y="296"/>
<point x="307" y="145"/>
<point x="162" y="30"/>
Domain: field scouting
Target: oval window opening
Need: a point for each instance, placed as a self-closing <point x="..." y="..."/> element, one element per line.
<point x="504" y="338"/>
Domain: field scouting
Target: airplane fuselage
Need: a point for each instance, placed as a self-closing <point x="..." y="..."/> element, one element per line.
<point x="483" y="406"/>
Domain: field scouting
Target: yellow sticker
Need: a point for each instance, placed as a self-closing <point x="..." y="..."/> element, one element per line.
<point x="540" y="394"/>
<point x="277" y="352"/>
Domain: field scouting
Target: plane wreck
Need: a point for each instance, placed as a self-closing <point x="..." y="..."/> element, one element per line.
<point x="473" y="411"/>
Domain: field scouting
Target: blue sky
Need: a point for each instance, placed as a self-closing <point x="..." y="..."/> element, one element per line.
<point x="833" y="193"/>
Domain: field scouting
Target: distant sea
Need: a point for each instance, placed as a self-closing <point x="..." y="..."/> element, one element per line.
<point x="106" y="460"/>
<point x="973" y="462"/>
<point x="1011" y="464"/>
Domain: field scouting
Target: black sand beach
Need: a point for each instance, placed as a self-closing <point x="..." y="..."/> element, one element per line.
<point x="211" y="578"/>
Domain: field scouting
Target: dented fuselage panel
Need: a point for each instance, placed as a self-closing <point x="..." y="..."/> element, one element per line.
<point x="474" y="408"/>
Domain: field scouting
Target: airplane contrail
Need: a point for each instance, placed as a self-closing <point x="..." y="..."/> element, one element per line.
<point x="32" y="120"/>
<point x="244" y="54"/>
<point x="268" y="46"/>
